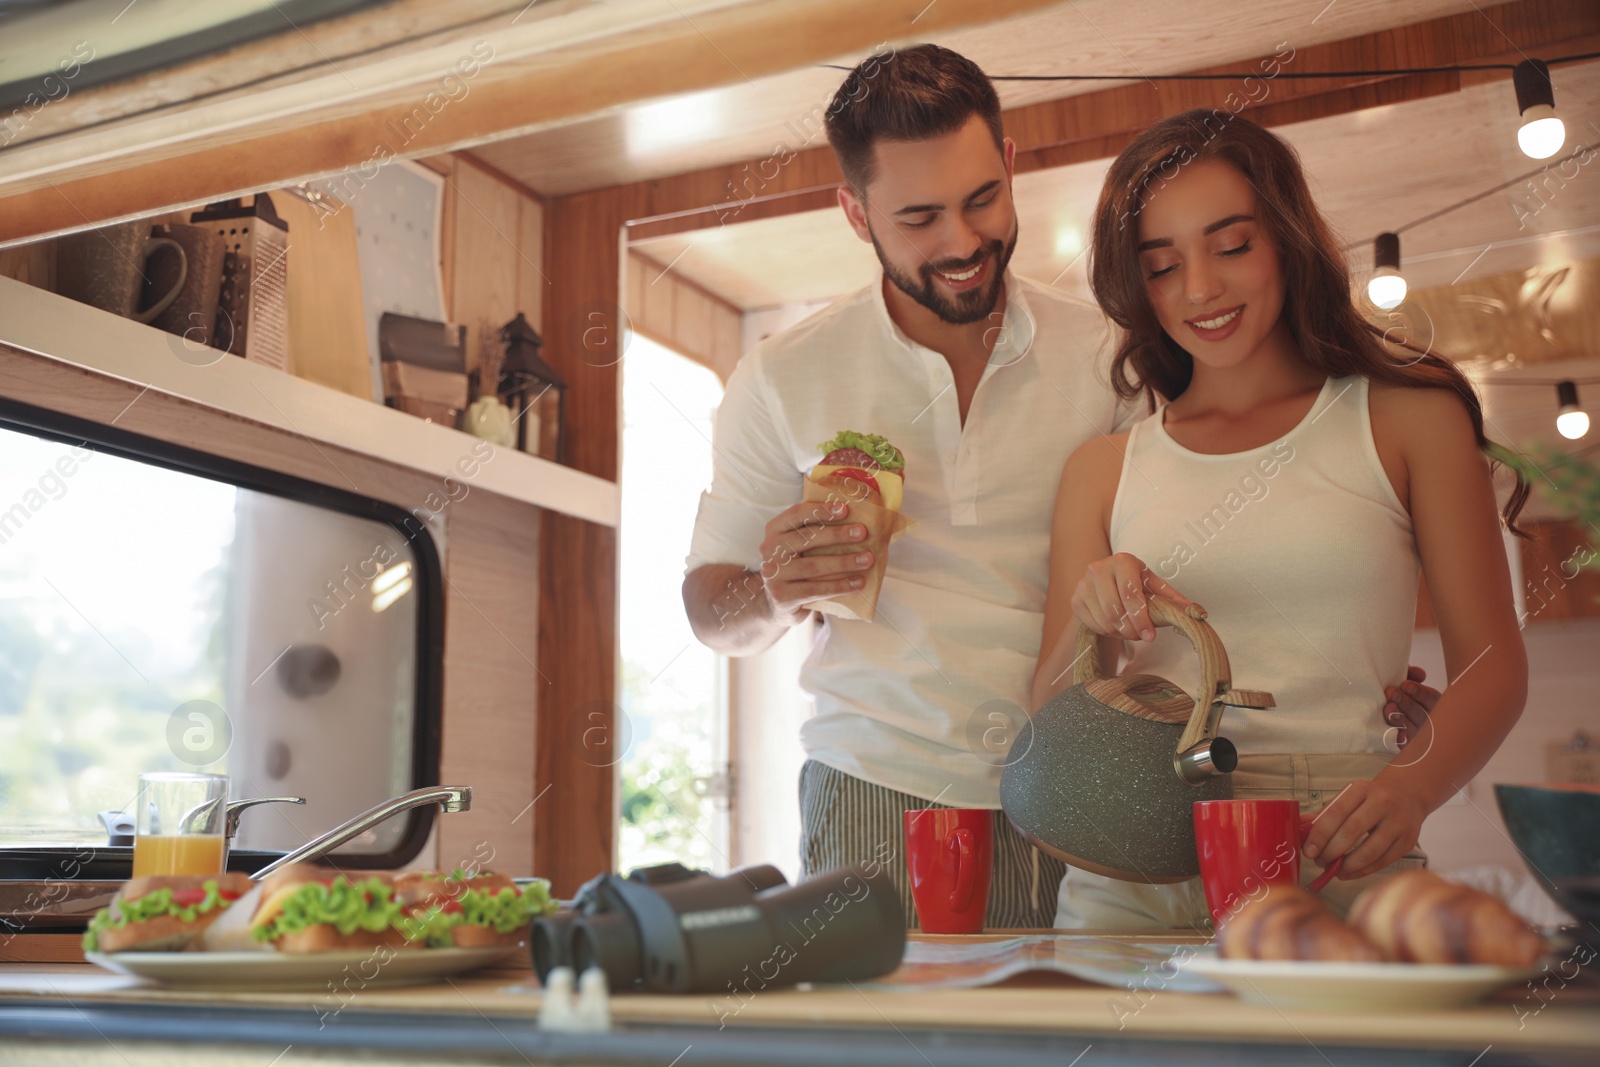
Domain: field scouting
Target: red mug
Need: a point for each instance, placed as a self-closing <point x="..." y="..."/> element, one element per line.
<point x="1245" y="845"/>
<point x="950" y="858"/>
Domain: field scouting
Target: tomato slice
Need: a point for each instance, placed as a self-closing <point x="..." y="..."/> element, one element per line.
<point x="851" y="457"/>
<point x="859" y="475"/>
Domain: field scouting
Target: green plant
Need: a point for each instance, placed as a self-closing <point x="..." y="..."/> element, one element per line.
<point x="664" y="817"/>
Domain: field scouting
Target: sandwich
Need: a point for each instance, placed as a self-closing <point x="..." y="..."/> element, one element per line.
<point x="163" y="913"/>
<point x="305" y="909"/>
<point x="863" y="467"/>
<point x="462" y="910"/>
<point x="868" y="473"/>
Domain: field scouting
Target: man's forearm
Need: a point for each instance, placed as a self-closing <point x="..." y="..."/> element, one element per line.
<point x="729" y="611"/>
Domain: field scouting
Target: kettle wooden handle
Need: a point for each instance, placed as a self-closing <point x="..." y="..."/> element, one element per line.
<point x="1216" y="676"/>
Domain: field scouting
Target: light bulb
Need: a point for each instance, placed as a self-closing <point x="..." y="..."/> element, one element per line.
<point x="1572" y="422"/>
<point x="1386" y="288"/>
<point x="1541" y="135"/>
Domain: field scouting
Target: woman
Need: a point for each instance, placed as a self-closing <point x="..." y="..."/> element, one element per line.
<point x="1297" y="471"/>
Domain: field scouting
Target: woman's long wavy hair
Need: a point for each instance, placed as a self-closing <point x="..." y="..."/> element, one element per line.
<point x="1330" y="332"/>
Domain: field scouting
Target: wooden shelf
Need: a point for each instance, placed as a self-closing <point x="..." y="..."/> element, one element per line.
<point x="54" y="326"/>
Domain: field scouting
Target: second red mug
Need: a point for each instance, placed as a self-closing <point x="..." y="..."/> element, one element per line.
<point x="950" y="856"/>
<point x="1245" y="845"/>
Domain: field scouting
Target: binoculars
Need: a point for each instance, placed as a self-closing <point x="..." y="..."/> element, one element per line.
<point x="667" y="929"/>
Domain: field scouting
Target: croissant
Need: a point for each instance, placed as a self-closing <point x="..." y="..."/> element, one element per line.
<point x="1418" y="917"/>
<point x="1287" y="923"/>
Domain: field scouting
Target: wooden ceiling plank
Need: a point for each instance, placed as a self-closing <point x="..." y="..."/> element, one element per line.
<point x="761" y="208"/>
<point x="742" y="41"/>
<point x="1097" y="125"/>
<point x="259" y="65"/>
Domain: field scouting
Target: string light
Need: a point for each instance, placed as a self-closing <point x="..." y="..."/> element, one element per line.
<point x="1386" y="288"/>
<point x="1304" y="75"/>
<point x="1572" y="422"/>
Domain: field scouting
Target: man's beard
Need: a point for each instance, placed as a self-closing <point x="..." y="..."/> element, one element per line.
<point x="958" y="309"/>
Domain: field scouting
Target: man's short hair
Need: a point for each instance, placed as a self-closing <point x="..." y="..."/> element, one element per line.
<point x="907" y="95"/>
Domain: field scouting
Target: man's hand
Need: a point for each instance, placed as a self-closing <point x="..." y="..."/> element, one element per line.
<point x="791" y="579"/>
<point x="1409" y="704"/>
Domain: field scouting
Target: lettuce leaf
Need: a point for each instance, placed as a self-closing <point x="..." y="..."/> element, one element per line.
<point x="504" y="911"/>
<point x="346" y="906"/>
<point x="150" y="906"/>
<point x="886" y="455"/>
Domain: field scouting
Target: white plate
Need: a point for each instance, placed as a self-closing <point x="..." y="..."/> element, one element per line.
<point x="359" y="968"/>
<point x="1357" y="986"/>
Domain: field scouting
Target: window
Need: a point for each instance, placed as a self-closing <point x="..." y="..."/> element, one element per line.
<point x="165" y="610"/>
<point x="674" y="768"/>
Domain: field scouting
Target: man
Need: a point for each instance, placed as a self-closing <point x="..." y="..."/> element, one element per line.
<point x="986" y="383"/>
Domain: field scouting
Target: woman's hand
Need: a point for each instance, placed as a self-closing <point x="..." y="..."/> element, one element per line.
<point x="1371" y="824"/>
<point x="1113" y="597"/>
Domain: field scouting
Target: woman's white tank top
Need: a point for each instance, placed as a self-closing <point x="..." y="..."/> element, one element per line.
<point x="1304" y="560"/>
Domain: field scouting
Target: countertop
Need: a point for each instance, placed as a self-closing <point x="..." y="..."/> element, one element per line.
<point x="69" y="1013"/>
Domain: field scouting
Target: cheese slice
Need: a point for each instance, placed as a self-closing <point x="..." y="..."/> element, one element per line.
<point x="270" y="907"/>
<point x="890" y="484"/>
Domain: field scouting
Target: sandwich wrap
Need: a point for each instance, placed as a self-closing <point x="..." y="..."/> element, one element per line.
<point x="866" y="472"/>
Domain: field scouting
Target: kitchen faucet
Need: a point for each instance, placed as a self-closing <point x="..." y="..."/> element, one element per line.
<point x="448" y="797"/>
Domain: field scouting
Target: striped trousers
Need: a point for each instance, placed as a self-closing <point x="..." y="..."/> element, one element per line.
<point x="846" y="821"/>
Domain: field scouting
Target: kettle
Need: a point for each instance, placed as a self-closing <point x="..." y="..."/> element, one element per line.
<point x="1105" y="774"/>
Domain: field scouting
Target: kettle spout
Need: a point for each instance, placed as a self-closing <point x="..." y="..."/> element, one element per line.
<point x="1206" y="760"/>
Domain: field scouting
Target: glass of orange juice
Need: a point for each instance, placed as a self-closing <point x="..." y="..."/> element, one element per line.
<point x="179" y="824"/>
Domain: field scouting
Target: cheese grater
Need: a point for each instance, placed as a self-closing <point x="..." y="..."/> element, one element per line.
<point x="253" y="313"/>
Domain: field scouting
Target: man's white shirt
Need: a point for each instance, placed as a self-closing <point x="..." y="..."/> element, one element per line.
<point x="904" y="701"/>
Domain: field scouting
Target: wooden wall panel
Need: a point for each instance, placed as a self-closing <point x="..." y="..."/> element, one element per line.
<point x="653" y="303"/>
<point x="1555" y="584"/>
<point x="34" y="264"/>
<point x="487" y="259"/>
<point x="579" y="746"/>
<point x="727" y="343"/>
<point x="672" y="310"/>
<point x="490" y="682"/>
<point x="691" y="318"/>
<point x="531" y="281"/>
<point x="1554" y="587"/>
<point x="445" y="166"/>
<point x="491" y="245"/>
<point x="327" y="316"/>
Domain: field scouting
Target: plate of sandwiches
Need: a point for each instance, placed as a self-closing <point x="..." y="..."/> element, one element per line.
<point x="306" y="927"/>
<point x="1412" y="942"/>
